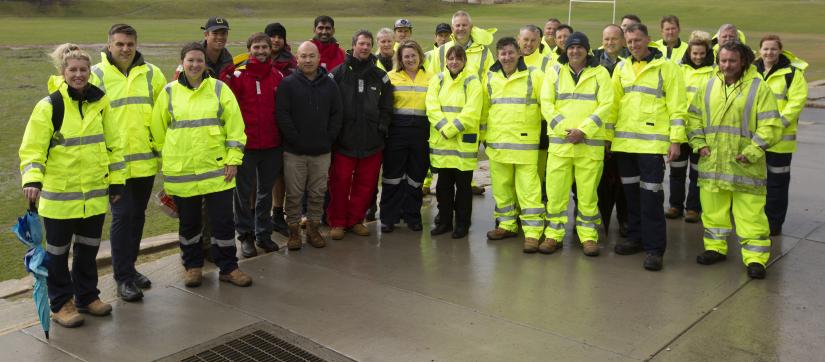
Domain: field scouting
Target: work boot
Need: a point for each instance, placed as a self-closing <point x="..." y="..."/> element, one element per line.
<point x="370" y="216"/>
<point x="441" y="229"/>
<point x="96" y="308"/>
<point x="531" y="245"/>
<point x="294" y="242"/>
<point x="692" y="216"/>
<point x="193" y="277"/>
<point x="267" y="244"/>
<point x="129" y="292"/>
<point x="653" y="262"/>
<point x="590" y="248"/>
<point x="278" y="222"/>
<point x="68" y="316"/>
<point x="236" y="277"/>
<point x="673" y="213"/>
<point x="360" y="229"/>
<point x="709" y="257"/>
<point x="248" y="245"/>
<point x="628" y="247"/>
<point x="142" y="281"/>
<point x="549" y="246"/>
<point x="387" y="228"/>
<point x="499" y="233"/>
<point x="756" y="271"/>
<point x="460" y="231"/>
<point x="336" y="233"/>
<point x="314" y="237"/>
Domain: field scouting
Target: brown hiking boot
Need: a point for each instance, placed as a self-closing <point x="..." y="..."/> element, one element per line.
<point x="692" y="216"/>
<point x="673" y="213"/>
<point x="68" y="316"/>
<point x="96" y="308"/>
<point x="549" y="246"/>
<point x="499" y="233"/>
<point x="590" y="248"/>
<point x="360" y="229"/>
<point x="294" y="242"/>
<point x="193" y="277"/>
<point x="314" y="237"/>
<point x="236" y="277"/>
<point x="336" y="233"/>
<point x="530" y="245"/>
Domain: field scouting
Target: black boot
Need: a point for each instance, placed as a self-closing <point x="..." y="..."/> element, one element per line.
<point x="129" y="292"/>
<point x="756" y="271"/>
<point x="709" y="257"/>
<point x="278" y="222"/>
<point x="248" y="245"/>
<point x="441" y="228"/>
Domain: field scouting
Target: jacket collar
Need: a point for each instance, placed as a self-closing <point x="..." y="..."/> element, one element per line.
<point x="520" y="66"/>
<point x="708" y="61"/>
<point x="185" y="82"/>
<point x="782" y="62"/>
<point x="654" y="54"/>
<point x="90" y="93"/>
<point x="358" y="64"/>
<point x="320" y="77"/>
<point x="138" y="61"/>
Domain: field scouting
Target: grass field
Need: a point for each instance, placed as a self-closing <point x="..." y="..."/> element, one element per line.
<point x="28" y="32"/>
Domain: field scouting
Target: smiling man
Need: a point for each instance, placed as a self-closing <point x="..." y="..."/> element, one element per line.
<point x="215" y="34"/>
<point x="670" y="45"/>
<point x="324" y="39"/>
<point x="475" y="42"/>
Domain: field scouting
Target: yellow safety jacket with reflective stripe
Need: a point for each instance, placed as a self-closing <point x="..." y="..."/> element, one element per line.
<point x="536" y="60"/>
<point x="131" y="99"/>
<point x="75" y="165"/>
<point x="198" y="132"/>
<point x="650" y="106"/>
<point x="730" y="120"/>
<point x="428" y="58"/>
<point x="790" y="101"/>
<point x="454" y="109"/>
<point x="586" y="105"/>
<point x="512" y="114"/>
<point x="479" y="55"/>
<point x="695" y="78"/>
<point x="409" y="96"/>
<point x="676" y="53"/>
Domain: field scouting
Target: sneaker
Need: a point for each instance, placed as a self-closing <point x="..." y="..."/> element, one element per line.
<point x="360" y="230"/>
<point x="628" y="247"/>
<point x="336" y="233"/>
<point x="236" y="277"/>
<point x="549" y="246"/>
<point x="756" y="271"/>
<point x="531" y="245"/>
<point x="692" y="216"/>
<point x="247" y="245"/>
<point x="653" y="262"/>
<point x="590" y="248"/>
<point x="193" y="277"/>
<point x="710" y="257"/>
<point x="68" y="316"/>
<point x="673" y="213"/>
<point x="499" y="233"/>
<point x="96" y="308"/>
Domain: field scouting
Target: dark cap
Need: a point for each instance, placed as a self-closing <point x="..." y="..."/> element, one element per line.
<point x="275" y="29"/>
<point x="577" y="38"/>
<point x="443" y="28"/>
<point x="403" y="23"/>
<point x="216" y="23"/>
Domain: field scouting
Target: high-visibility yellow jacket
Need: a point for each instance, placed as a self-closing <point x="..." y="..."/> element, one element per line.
<point x="54" y="83"/>
<point x="677" y="53"/>
<point x="479" y="55"/>
<point x="730" y="120"/>
<point x="650" y="106"/>
<point x="586" y="105"/>
<point x="790" y="100"/>
<point x="409" y="106"/>
<point x="75" y="165"/>
<point x="695" y="78"/>
<point x="548" y="47"/>
<point x="536" y="60"/>
<point x="454" y="108"/>
<point x="428" y="57"/>
<point x="512" y="114"/>
<point x="198" y="132"/>
<point x="131" y="99"/>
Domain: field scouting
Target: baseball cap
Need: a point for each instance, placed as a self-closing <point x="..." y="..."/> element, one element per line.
<point x="443" y="28"/>
<point x="216" y="23"/>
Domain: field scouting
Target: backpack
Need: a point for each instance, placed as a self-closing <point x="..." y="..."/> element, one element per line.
<point x="58" y="108"/>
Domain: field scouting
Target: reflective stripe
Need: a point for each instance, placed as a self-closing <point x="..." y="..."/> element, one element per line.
<point x="57" y="250"/>
<point x="785" y="122"/>
<point x="484" y="51"/>
<point x="560" y="214"/>
<point x="71" y="196"/>
<point x="440" y="124"/>
<point x="783" y="169"/>
<point x="533" y="223"/>
<point x="149" y="77"/>
<point x="195" y="177"/>
<point x="451" y="109"/>
<point x="719" y="231"/>
<point x="597" y="217"/>
<point x="555" y="225"/>
<point x="698" y="132"/>
<point x="458" y="125"/>
<point x="691" y="89"/>
<point x="651" y="186"/>
<point x="117" y="166"/>
<point x="32" y="165"/>
<point x="780" y="96"/>
<point x="513" y="101"/>
<point x="643" y="89"/>
<point x="468" y="80"/>
<point x="576" y="96"/>
<point x="80" y="141"/>
<point x="712" y="236"/>
<point x="505" y="218"/>
<point x="695" y="110"/>
<point x="729" y="130"/>
<point x="757" y="248"/>
<point x="439" y="152"/>
<point x="760" y="142"/>
<point x="610" y="126"/>
<point x="194" y="123"/>
<point x="218" y="88"/>
<point x="194" y="240"/>
<point x="513" y="146"/>
<point x="679" y="164"/>
<point x="586" y="224"/>
<point x="708" y="90"/>
<point x="168" y="90"/>
<point x="85" y="240"/>
<point x="99" y="73"/>
<point x="223" y="243"/>
<point x="589" y="142"/>
<point x="789" y="137"/>
<point x="130" y="100"/>
<point x="489" y="84"/>
<point x="694" y="166"/>
<point x="385" y="79"/>
<point x="441" y="59"/>
<point x="642" y="136"/>
<point x="409" y="112"/>
<point x="545" y="61"/>
<point x="556" y="120"/>
<point x="630" y="180"/>
<point x="234" y="144"/>
<point x="505" y="209"/>
<point x="532" y="211"/>
<point x="736" y="179"/>
<point x="677" y="122"/>
<point x="596" y="120"/>
<point x="139" y="156"/>
<point x="393" y="181"/>
<point x="413" y="183"/>
<point x="767" y="115"/>
<point x="410" y="88"/>
<point x="746" y="114"/>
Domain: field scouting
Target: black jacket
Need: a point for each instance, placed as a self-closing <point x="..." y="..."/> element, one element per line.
<point x="308" y="113"/>
<point x="367" y="96"/>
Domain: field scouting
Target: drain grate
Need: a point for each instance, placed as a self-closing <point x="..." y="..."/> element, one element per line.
<point x="258" y="342"/>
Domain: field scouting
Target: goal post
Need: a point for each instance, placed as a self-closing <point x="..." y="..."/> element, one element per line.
<point x="570" y="8"/>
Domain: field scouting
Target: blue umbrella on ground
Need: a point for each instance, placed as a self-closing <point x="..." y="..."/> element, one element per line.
<point x="30" y="232"/>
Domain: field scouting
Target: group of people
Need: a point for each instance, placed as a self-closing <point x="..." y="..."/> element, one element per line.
<point x="264" y="140"/>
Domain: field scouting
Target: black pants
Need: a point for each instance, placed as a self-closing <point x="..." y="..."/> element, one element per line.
<point x="406" y="161"/>
<point x="611" y="193"/>
<point x="219" y="208"/>
<point x="779" y="180"/>
<point x="126" y="231"/>
<point x="455" y="196"/>
<point x="82" y="280"/>
<point x="261" y="168"/>
<point x="642" y="176"/>
<point x="679" y="174"/>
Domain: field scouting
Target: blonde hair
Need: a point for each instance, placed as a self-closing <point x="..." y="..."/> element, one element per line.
<point x="61" y="55"/>
<point x="698" y="37"/>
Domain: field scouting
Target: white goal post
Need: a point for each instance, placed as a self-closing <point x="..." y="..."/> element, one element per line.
<point x="570" y="8"/>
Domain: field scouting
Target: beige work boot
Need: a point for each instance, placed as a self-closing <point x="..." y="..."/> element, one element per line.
<point x="549" y="246"/>
<point x="193" y="277"/>
<point x="673" y="213"/>
<point x="96" y="308"/>
<point x="531" y="245"/>
<point x="68" y="316"/>
<point x="360" y="229"/>
<point x="314" y="237"/>
<point x="294" y="242"/>
<point x="336" y="233"/>
<point x="236" y="277"/>
<point x="590" y="248"/>
<point x="499" y="233"/>
<point x="692" y="216"/>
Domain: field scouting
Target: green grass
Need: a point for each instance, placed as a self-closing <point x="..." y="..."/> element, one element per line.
<point x="28" y="32"/>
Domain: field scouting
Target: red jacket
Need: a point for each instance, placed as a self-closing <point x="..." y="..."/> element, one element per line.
<point x="254" y="85"/>
<point x="285" y="61"/>
<point x="331" y="54"/>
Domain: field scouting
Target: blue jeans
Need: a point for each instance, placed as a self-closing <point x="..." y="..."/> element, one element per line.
<point x="261" y="168"/>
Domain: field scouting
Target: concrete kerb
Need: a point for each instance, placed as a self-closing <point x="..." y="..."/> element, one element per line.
<point x="816" y="94"/>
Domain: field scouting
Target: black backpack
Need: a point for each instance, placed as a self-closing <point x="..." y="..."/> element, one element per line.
<point x="58" y="109"/>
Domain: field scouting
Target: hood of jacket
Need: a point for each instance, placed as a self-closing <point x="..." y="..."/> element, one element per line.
<point x="479" y="35"/>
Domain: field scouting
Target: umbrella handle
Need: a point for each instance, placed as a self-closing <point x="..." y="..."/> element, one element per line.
<point x="32" y="206"/>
